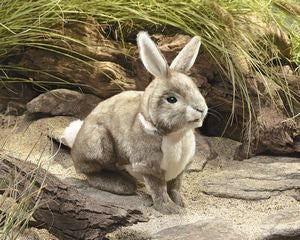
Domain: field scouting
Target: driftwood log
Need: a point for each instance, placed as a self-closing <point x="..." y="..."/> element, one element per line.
<point x="64" y="211"/>
<point x="113" y="71"/>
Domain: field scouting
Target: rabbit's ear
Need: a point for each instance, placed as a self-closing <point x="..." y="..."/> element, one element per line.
<point x="151" y="57"/>
<point x="187" y="56"/>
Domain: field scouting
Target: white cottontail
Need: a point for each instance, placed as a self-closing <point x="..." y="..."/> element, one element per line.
<point x="144" y="134"/>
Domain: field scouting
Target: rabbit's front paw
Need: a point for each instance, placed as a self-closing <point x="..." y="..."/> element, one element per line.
<point x="177" y="198"/>
<point x="168" y="208"/>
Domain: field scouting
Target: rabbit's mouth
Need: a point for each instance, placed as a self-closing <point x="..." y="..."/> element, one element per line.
<point x="195" y="120"/>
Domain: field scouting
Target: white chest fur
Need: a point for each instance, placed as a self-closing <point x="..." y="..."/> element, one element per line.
<point x="177" y="153"/>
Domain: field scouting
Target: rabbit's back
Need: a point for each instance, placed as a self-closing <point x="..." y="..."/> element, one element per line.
<point x="126" y="99"/>
<point x="118" y="111"/>
<point x="118" y="115"/>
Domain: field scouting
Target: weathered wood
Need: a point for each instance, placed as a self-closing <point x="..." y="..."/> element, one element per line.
<point x="272" y="132"/>
<point x="103" y="72"/>
<point x="103" y="78"/>
<point x="63" y="210"/>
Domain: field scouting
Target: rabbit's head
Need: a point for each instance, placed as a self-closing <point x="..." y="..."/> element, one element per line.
<point x="172" y="101"/>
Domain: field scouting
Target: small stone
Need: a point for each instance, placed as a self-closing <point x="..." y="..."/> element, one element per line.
<point x="201" y="230"/>
<point x="63" y="102"/>
<point x="127" y="234"/>
<point x="280" y="226"/>
<point x="254" y="180"/>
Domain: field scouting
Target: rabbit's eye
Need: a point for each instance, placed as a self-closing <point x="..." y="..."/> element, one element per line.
<point x="172" y="99"/>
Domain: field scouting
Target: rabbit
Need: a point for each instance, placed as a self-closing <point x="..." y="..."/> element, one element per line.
<point x="146" y="135"/>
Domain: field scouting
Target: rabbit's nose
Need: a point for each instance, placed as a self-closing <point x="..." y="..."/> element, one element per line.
<point x="193" y="115"/>
<point x="202" y="110"/>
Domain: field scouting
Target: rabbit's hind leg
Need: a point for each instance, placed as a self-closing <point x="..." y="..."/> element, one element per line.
<point x="113" y="181"/>
<point x="93" y="149"/>
<point x="93" y="154"/>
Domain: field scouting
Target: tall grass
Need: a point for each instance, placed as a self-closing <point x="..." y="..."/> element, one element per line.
<point x="17" y="207"/>
<point x="21" y="192"/>
<point x="19" y="199"/>
<point x="232" y="31"/>
<point x="25" y="24"/>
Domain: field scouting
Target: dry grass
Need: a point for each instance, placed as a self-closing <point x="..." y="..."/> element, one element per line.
<point x="19" y="193"/>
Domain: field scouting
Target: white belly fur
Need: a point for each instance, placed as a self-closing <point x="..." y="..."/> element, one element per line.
<point x="177" y="153"/>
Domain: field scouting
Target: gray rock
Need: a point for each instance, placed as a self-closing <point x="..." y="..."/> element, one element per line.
<point x="284" y="225"/>
<point x="201" y="230"/>
<point x="63" y="102"/>
<point x="120" y="234"/>
<point x="253" y="179"/>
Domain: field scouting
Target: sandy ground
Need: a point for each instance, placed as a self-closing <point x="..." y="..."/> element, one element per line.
<point x="34" y="145"/>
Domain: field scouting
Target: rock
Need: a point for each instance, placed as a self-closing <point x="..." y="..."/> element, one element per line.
<point x="63" y="102"/>
<point x="284" y="225"/>
<point x="253" y="179"/>
<point x="201" y="230"/>
<point x="120" y="234"/>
